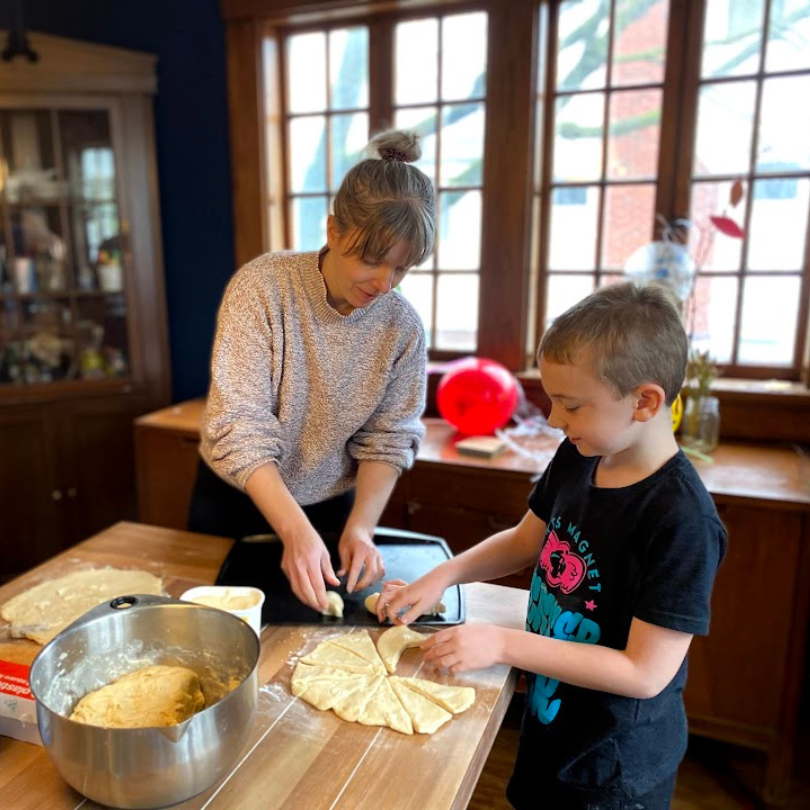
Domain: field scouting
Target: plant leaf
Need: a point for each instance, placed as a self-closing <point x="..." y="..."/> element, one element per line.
<point x="727" y="226"/>
<point x="736" y="194"/>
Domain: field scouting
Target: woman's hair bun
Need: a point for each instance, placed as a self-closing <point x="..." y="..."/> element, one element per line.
<point x="396" y="146"/>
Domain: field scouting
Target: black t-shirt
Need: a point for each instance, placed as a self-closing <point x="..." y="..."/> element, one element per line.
<point x="649" y="550"/>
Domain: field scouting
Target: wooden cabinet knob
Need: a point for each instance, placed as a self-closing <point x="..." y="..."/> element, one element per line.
<point x="71" y="493"/>
<point x="57" y="494"/>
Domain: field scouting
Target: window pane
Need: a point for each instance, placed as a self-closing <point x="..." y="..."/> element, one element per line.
<point x="724" y="128"/>
<point x="462" y="144"/>
<point x="789" y="36"/>
<point x="628" y="222"/>
<point x="732" y="37"/>
<point x="784" y="128"/>
<point x="349" y="137"/>
<point x="572" y="231"/>
<point x="306" y="73"/>
<point x="308" y="222"/>
<point x="635" y="118"/>
<point x="710" y="316"/>
<point x="308" y="154"/>
<point x="418" y="289"/>
<point x="564" y="291"/>
<point x="712" y="250"/>
<point x="416" y="71"/>
<point x="464" y="56"/>
<point x="422" y="120"/>
<point x="769" y="317"/>
<point x="460" y="230"/>
<point x="578" y="132"/>
<point x="348" y="68"/>
<point x="457" y="312"/>
<point x="583" y="36"/>
<point x="639" y="47"/>
<point x="778" y="227"/>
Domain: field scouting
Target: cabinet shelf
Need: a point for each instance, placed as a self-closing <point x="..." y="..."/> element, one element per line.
<point x="79" y="180"/>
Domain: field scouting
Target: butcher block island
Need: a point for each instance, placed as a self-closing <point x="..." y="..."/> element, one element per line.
<point x="296" y="756"/>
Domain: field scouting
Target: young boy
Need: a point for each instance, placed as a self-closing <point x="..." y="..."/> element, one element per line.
<point x="625" y="540"/>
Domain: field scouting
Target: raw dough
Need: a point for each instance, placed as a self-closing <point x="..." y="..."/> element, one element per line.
<point x="324" y="694"/>
<point x="151" y="696"/>
<point x="335" y="607"/>
<point x="394" y="641"/>
<point x="360" y="644"/>
<point x="426" y="716"/>
<point x="385" y="709"/>
<point x="371" y="606"/>
<point x="41" y="612"/>
<point x="342" y="674"/>
<point x="331" y="655"/>
<point x="454" y="699"/>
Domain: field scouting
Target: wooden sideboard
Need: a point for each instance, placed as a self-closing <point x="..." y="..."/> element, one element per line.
<point x="745" y="680"/>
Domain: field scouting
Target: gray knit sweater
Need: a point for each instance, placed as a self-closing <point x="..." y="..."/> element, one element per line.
<point x="296" y="383"/>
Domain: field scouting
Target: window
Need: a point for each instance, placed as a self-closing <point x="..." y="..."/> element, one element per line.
<point x="559" y="136"/>
<point x="441" y="96"/>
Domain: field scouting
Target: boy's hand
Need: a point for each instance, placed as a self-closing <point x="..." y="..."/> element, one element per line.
<point x="415" y="599"/>
<point x="465" y="647"/>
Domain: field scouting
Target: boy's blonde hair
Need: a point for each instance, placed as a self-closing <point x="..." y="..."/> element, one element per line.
<point x="626" y="335"/>
<point x="388" y="201"/>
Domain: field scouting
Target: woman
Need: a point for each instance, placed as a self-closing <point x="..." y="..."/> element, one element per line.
<point x="318" y="380"/>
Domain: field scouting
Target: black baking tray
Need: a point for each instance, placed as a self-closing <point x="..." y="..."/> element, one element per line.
<point x="406" y="555"/>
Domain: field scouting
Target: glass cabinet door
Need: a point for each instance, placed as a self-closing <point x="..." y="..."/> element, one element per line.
<point x="63" y="307"/>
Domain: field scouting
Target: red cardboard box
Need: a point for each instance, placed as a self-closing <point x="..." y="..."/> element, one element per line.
<point x="18" y="711"/>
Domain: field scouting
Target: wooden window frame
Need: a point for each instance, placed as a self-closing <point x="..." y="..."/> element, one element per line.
<point x="514" y="234"/>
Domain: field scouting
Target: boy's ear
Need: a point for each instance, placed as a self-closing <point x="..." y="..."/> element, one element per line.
<point x="650" y="398"/>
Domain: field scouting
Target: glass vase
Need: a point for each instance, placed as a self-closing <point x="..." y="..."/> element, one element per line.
<point x="700" y="429"/>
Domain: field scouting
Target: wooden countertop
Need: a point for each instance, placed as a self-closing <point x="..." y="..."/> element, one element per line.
<point x="296" y="757"/>
<point x="763" y="473"/>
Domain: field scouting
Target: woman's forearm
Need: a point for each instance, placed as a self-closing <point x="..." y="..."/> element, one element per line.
<point x="374" y="485"/>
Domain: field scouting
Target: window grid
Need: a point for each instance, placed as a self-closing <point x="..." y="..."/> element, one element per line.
<point x="431" y="266"/>
<point x="742" y="274"/>
<point x="599" y="273"/>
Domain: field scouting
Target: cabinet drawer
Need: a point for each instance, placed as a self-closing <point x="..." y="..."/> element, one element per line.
<point x="496" y="492"/>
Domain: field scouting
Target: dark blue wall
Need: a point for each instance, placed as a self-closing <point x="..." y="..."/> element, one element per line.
<point x="191" y="120"/>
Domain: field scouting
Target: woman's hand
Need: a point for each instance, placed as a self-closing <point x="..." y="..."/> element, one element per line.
<point x="359" y="554"/>
<point x="415" y="599"/>
<point x="465" y="647"/>
<point x="306" y="563"/>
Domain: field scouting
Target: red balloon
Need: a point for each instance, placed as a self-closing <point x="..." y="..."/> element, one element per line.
<point x="477" y="396"/>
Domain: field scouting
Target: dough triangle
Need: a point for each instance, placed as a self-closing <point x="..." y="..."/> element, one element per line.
<point x="454" y="699"/>
<point x="352" y="706"/>
<point x="331" y="655"/>
<point x="425" y="715"/>
<point x="362" y="645"/>
<point x="324" y="694"/>
<point x="384" y="709"/>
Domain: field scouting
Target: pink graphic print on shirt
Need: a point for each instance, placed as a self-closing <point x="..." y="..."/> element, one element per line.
<point x="564" y="569"/>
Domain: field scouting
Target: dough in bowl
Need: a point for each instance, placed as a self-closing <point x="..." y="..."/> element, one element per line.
<point x="150" y="696"/>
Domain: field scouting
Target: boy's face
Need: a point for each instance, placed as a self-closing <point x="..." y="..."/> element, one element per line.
<point x="587" y="409"/>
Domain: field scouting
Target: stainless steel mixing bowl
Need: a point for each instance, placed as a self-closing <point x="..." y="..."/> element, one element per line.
<point x="147" y="767"/>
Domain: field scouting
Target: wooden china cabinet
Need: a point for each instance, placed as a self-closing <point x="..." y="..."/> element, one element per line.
<point x="83" y="335"/>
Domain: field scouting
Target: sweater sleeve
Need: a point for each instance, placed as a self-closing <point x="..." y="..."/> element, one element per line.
<point x="394" y="431"/>
<point x="240" y="431"/>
